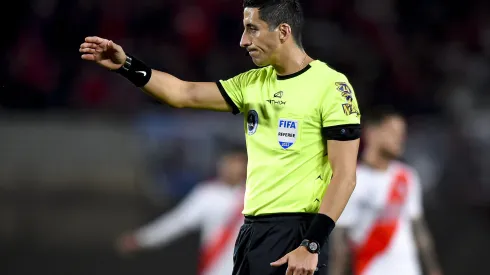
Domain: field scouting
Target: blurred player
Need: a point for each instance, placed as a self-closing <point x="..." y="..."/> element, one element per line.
<point x="302" y="125"/>
<point x="214" y="207"/>
<point x="383" y="224"/>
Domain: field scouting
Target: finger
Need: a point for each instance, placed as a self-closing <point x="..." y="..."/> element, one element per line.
<point x="87" y="50"/>
<point x="281" y="261"/>
<point x="89" y="57"/>
<point x="89" y="45"/>
<point x="113" y="46"/>
<point x="93" y="46"/>
<point x="95" y="39"/>
<point x="290" y="271"/>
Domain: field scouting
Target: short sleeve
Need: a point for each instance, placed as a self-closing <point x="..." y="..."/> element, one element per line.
<point x="341" y="118"/>
<point x="415" y="207"/>
<point x="232" y="91"/>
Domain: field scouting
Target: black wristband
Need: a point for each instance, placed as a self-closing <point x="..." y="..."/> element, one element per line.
<point x="320" y="228"/>
<point x="135" y="71"/>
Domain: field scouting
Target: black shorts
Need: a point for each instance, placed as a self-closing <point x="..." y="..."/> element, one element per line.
<point x="265" y="239"/>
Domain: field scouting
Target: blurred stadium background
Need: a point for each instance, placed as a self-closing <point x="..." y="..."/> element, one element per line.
<point x="85" y="156"/>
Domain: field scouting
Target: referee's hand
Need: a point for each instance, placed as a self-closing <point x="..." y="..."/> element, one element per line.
<point x="103" y="52"/>
<point x="300" y="262"/>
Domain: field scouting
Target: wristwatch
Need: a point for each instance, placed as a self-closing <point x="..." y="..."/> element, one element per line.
<point x="311" y="246"/>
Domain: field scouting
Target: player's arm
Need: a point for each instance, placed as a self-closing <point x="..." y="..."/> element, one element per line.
<point x="425" y="246"/>
<point x="186" y="216"/>
<point x="162" y="86"/>
<point x="339" y="256"/>
<point x="421" y="232"/>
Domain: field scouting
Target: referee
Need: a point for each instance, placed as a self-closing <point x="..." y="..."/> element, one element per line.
<point x="302" y="127"/>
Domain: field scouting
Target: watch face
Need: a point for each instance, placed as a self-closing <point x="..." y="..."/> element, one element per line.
<point x="313" y="246"/>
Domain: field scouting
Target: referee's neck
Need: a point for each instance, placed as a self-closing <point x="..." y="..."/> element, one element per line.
<point x="291" y="60"/>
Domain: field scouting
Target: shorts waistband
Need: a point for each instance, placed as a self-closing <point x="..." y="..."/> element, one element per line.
<point x="278" y="217"/>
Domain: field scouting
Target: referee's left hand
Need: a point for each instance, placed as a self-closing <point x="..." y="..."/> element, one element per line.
<point x="300" y="262"/>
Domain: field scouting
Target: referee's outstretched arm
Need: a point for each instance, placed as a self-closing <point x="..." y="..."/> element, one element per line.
<point x="163" y="86"/>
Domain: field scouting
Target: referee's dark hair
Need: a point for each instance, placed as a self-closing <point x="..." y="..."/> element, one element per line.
<point x="276" y="12"/>
<point x="378" y="114"/>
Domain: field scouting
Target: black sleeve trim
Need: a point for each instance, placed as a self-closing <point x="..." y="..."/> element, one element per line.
<point x="227" y="98"/>
<point x="342" y="132"/>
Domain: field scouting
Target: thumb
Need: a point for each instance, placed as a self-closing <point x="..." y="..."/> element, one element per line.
<point x="110" y="45"/>
<point x="281" y="261"/>
<point x="115" y="49"/>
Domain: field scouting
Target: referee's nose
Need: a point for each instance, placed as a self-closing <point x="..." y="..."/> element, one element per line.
<point x="245" y="42"/>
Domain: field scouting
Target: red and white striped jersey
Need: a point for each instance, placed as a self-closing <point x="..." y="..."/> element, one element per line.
<point x="213" y="207"/>
<point x="379" y="218"/>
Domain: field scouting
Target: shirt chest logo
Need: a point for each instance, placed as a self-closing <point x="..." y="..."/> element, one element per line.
<point x="277" y="99"/>
<point x="287" y="132"/>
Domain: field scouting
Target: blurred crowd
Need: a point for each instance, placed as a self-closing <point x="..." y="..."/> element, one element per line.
<point x="421" y="55"/>
<point x="428" y="58"/>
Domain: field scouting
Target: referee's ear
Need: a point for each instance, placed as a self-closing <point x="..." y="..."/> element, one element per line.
<point x="284" y="32"/>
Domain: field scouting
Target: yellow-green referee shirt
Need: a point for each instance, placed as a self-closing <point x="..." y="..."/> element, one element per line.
<point x="286" y="119"/>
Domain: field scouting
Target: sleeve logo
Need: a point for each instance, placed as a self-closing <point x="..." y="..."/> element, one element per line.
<point x="348" y="107"/>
